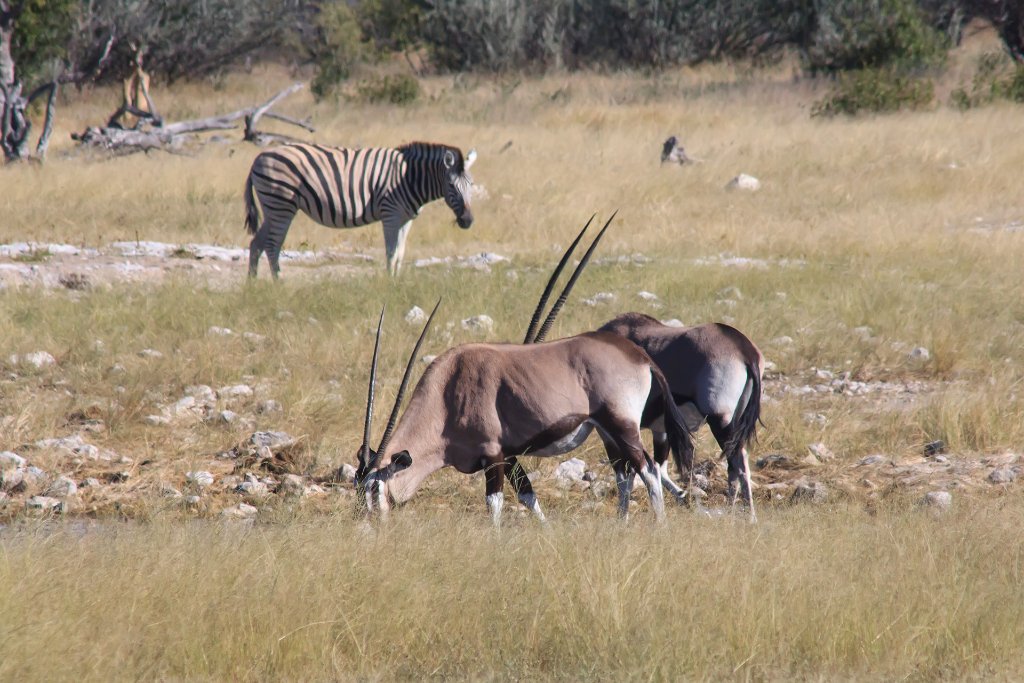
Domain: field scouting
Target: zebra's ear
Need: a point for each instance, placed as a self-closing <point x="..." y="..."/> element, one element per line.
<point x="470" y="158"/>
<point x="449" y="158"/>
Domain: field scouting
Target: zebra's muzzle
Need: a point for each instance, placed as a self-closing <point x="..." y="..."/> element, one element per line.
<point x="465" y="220"/>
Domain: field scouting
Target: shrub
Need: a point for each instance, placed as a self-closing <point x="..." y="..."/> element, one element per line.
<point x="996" y="78"/>
<point x="400" y="89"/>
<point x="854" y="34"/>
<point x="875" y="90"/>
<point x="336" y="47"/>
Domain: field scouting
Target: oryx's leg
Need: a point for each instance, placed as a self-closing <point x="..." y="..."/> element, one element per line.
<point x="623" y="474"/>
<point x="626" y="439"/>
<point x="661" y="452"/>
<point x="396" y="230"/>
<point x="738" y="463"/>
<point x="516" y="476"/>
<point x="494" y="473"/>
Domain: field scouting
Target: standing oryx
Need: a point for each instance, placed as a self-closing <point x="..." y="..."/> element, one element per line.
<point x="478" y="406"/>
<point x="713" y="370"/>
<point x="348" y="188"/>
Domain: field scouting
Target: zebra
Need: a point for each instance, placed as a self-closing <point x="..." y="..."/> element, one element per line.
<point x="348" y="188"/>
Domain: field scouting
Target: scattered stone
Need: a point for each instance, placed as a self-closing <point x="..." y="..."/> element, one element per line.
<point x="183" y="406"/>
<point x="1003" y="475"/>
<point x="312" y="321"/>
<point x="589" y="475"/>
<point x="478" y="323"/>
<point x="291" y="485"/>
<point x="91" y="483"/>
<point x="920" y="354"/>
<point x="62" y="487"/>
<point x="215" y="331"/>
<point x="119" y="477"/>
<point x="253" y="338"/>
<point x="876" y="459"/>
<point x="821" y="452"/>
<point x="240" y="511"/>
<point x="11" y="479"/>
<point x="864" y="332"/>
<point x="773" y="460"/>
<point x="235" y="391"/>
<point x="285" y="315"/>
<point x="648" y="296"/>
<point x="201" y="393"/>
<point x="600" y="298"/>
<point x="415" y="315"/>
<point x="784" y="340"/>
<point x="157" y="420"/>
<point x="193" y="501"/>
<point x="348" y="473"/>
<point x="809" y="492"/>
<point x="942" y="500"/>
<point x="252" y="488"/>
<point x="744" y="182"/>
<point x="933" y="448"/>
<point x="150" y="353"/>
<point x="9" y="460"/>
<point x="730" y="293"/>
<point x="169" y="491"/>
<point x="199" y="479"/>
<point x="673" y="322"/>
<point x="45" y="504"/>
<point x="37" y="359"/>
<point x="227" y="417"/>
<point x="570" y="471"/>
<point x="268" y="406"/>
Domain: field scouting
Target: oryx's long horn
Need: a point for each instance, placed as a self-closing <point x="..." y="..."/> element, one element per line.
<point x="365" y="448"/>
<point x="569" y="285"/>
<point x="551" y="284"/>
<point x="404" y="385"/>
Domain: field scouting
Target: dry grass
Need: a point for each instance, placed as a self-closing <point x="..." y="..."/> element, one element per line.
<point x="801" y="596"/>
<point x="862" y="222"/>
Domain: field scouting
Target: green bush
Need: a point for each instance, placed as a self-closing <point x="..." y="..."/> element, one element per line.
<point x="400" y="89"/>
<point x="337" y="46"/>
<point x="859" y="34"/>
<point x="875" y="90"/>
<point x="41" y="35"/>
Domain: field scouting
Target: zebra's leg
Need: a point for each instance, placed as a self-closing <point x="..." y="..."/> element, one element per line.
<point x="395" y="233"/>
<point x="277" y="218"/>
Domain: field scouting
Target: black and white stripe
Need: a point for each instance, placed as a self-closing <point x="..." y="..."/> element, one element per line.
<point x="348" y="188"/>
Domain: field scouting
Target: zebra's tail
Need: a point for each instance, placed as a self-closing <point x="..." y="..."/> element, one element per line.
<point x="252" y="216"/>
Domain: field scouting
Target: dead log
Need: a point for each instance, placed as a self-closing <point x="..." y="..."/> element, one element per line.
<point x="152" y="134"/>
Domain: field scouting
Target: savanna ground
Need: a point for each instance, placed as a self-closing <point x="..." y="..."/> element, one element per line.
<point x="870" y="237"/>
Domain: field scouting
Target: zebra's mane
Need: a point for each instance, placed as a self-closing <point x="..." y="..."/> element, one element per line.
<point x="419" y="150"/>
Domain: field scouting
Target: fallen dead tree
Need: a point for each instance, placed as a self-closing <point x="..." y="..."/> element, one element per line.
<point x="151" y="133"/>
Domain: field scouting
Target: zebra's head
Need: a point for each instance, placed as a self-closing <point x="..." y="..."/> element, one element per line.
<point x="458" y="183"/>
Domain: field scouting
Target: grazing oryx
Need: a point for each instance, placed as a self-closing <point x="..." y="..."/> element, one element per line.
<point x="714" y="372"/>
<point x="477" y="405"/>
<point x="348" y="188"/>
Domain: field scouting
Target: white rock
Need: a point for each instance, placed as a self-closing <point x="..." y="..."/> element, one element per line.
<point x="647" y="296"/>
<point x="201" y="393"/>
<point x="673" y="322"/>
<point x="37" y="359"/>
<point x="268" y="406"/>
<point x="199" y="478"/>
<point x="240" y="511"/>
<point x="919" y="353"/>
<point x="182" y="406"/>
<point x="91" y="483"/>
<point x="235" y="391"/>
<point x="254" y="338"/>
<point x="348" y="472"/>
<point x="292" y="485"/>
<point x="864" y="332"/>
<point x="571" y="470"/>
<point x="415" y="315"/>
<point x="938" y="499"/>
<point x="11" y="478"/>
<point x="744" y="182"/>
<point x="821" y="451"/>
<point x="876" y="459"/>
<point x="227" y="416"/>
<point x="10" y="460"/>
<point x="600" y="298"/>
<point x="150" y="353"/>
<point x="252" y="488"/>
<point x="784" y="340"/>
<point x="62" y="487"/>
<point x="478" y="323"/>
<point x="157" y="420"/>
<point x="193" y="501"/>
<point x="215" y="331"/>
<point x="1003" y="475"/>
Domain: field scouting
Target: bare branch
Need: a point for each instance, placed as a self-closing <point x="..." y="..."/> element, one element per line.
<point x="51" y="107"/>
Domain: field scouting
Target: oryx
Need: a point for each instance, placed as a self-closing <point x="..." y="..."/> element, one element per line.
<point x="714" y="372"/>
<point x="477" y="406"/>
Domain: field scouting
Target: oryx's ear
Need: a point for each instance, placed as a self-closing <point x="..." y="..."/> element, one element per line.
<point x="400" y="461"/>
<point x="470" y="158"/>
<point x="449" y="158"/>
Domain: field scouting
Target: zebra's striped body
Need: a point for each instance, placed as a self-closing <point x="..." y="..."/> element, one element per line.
<point x="348" y="188"/>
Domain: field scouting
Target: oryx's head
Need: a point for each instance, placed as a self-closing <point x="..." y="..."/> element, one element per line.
<point x="377" y="467"/>
<point x="458" y="183"/>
